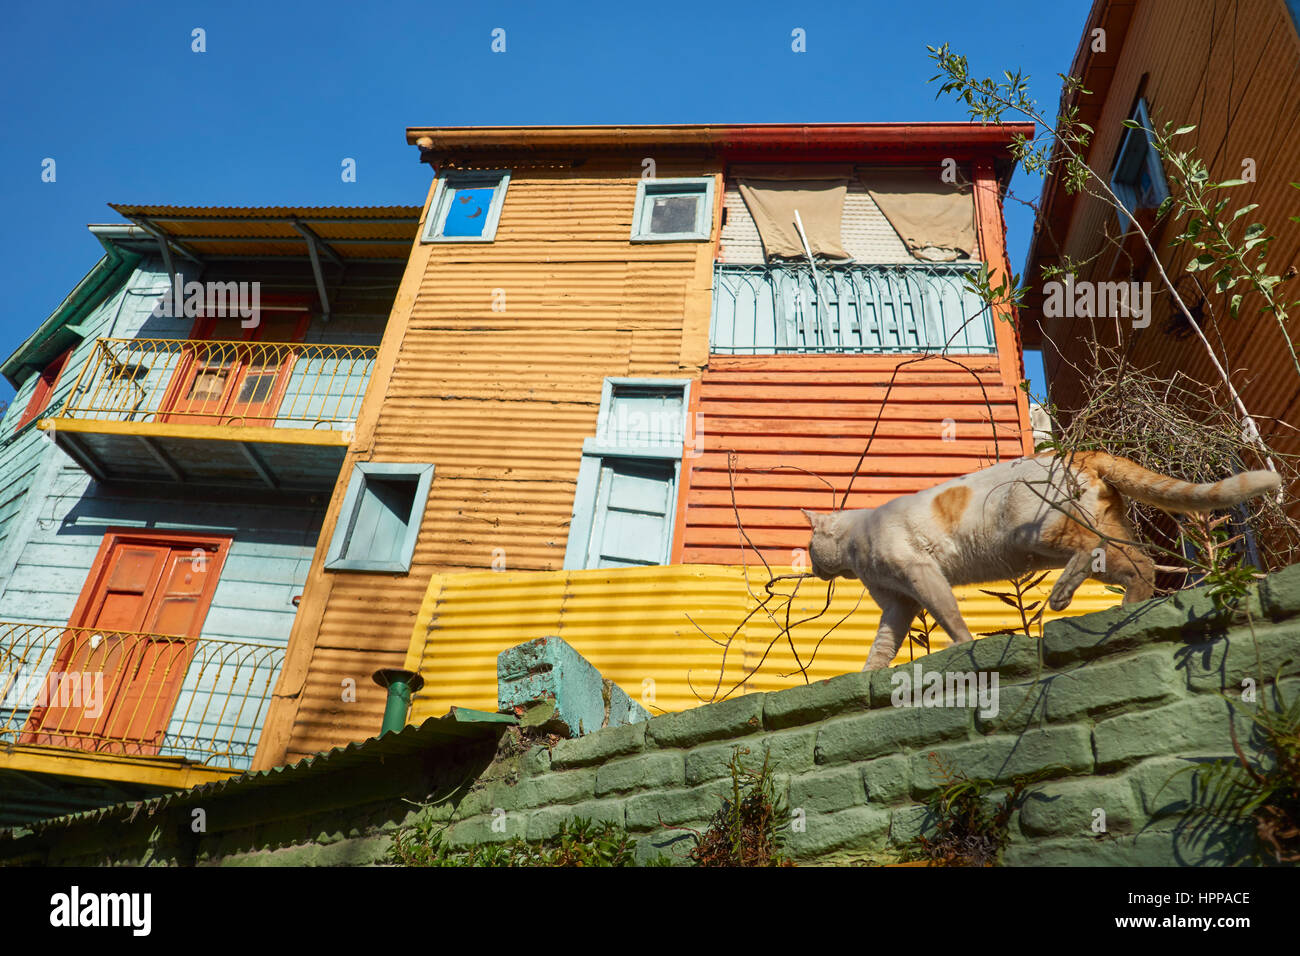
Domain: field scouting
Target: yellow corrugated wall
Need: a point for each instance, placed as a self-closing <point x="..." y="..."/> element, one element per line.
<point x="649" y="629"/>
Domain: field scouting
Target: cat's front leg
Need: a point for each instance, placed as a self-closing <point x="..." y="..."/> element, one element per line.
<point x="935" y="594"/>
<point x="897" y="611"/>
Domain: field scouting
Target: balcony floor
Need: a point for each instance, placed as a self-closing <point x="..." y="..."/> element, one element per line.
<point x="282" y="459"/>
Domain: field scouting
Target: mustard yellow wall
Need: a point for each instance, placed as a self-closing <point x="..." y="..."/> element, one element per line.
<point x="499" y="400"/>
<point x="639" y="625"/>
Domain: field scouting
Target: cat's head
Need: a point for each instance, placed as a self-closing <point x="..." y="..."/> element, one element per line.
<point x="826" y="550"/>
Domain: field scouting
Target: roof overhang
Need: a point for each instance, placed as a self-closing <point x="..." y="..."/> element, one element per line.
<point x="772" y="142"/>
<point x="1056" y="207"/>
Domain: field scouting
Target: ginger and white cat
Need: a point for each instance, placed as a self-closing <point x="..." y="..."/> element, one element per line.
<point x="1031" y="514"/>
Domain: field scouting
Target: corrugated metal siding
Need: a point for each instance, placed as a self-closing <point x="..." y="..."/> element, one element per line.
<point x="790" y="419"/>
<point x="1234" y="71"/>
<point x="866" y="233"/>
<point x="501" y="400"/>
<point x="633" y="625"/>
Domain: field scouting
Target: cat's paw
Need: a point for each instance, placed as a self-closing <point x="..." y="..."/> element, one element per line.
<point x="1059" y="602"/>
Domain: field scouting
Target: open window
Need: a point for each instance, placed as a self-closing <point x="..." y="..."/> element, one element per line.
<point x="1139" y="178"/>
<point x="625" y="505"/>
<point x="380" y="518"/>
<point x="466" y="206"/>
<point x="43" y="392"/>
<point x="673" y="210"/>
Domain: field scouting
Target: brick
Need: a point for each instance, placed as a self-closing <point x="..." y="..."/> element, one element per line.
<point x="791" y="752"/>
<point x="545" y="823"/>
<point x="667" y="847"/>
<point x="1097" y="687"/>
<point x="599" y="747"/>
<point x="567" y="786"/>
<point x="887" y="779"/>
<point x="728" y="718"/>
<point x="906" y="823"/>
<point x="479" y="829"/>
<point x="1020" y="706"/>
<point x="812" y="702"/>
<point x="1223" y="663"/>
<point x="1065" y="749"/>
<point x="1068" y="807"/>
<point x="1196" y="726"/>
<point x="828" y="790"/>
<point x="1124" y="627"/>
<point x="857" y="828"/>
<point x="1279" y="593"/>
<point x="536" y="760"/>
<point x="1010" y="655"/>
<point x="646" y="811"/>
<point x="644" y="772"/>
<point x="881" y="732"/>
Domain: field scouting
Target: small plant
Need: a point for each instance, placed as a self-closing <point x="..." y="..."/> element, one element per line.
<point x="748" y="829"/>
<point x="579" y="843"/>
<point x="969" y="829"/>
<point x="1031" y="612"/>
<point x="1227" y="579"/>
<point x="1256" y="793"/>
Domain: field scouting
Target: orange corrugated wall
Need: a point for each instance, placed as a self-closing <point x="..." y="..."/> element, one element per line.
<point x="797" y="426"/>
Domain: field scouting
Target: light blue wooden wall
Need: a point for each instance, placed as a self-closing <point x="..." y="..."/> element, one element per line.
<point x="53" y="518"/>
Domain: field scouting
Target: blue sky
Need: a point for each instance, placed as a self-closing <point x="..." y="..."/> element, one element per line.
<point x="286" y="91"/>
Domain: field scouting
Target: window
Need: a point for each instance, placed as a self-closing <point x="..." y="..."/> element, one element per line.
<point x="1139" y="177"/>
<point x="670" y="210"/>
<point x="44" y="390"/>
<point x="626" y="501"/>
<point x="380" y="517"/>
<point x="466" y="206"/>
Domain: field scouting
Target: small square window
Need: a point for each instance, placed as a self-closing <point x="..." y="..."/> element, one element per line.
<point x="1139" y="177"/>
<point x="466" y="206"/>
<point x="672" y="210"/>
<point x="380" y="517"/>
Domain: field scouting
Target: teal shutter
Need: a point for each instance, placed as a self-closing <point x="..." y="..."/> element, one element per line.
<point x="633" y="519"/>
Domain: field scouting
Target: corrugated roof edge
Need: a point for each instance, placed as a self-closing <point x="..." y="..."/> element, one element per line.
<point x="456" y="727"/>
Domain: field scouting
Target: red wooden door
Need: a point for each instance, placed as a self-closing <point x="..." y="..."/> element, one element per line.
<point x="117" y="678"/>
<point x="232" y="375"/>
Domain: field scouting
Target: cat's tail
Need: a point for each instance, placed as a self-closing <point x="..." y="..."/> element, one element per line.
<point x="1173" y="494"/>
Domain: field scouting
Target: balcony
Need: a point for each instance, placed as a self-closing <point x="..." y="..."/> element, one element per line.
<point x="206" y="412"/>
<point x="858" y="309"/>
<point x="73" y="699"/>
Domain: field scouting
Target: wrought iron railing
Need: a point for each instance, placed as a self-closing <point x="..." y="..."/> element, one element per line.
<point x="136" y="694"/>
<point x="769" y="309"/>
<point x="188" y="381"/>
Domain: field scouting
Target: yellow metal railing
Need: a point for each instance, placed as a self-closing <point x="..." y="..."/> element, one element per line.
<point x="218" y="382"/>
<point x="137" y="694"/>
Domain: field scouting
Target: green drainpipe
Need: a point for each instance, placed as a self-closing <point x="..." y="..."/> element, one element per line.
<point x="401" y="685"/>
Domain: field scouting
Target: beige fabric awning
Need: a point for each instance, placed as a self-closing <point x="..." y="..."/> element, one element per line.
<point x="774" y="193"/>
<point x="935" y="219"/>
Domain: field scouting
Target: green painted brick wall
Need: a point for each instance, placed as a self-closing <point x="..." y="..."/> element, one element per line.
<point x="1107" y="707"/>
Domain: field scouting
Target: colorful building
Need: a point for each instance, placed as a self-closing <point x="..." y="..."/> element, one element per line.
<point x="620" y="361"/>
<point x="1232" y="74"/>
<point x="179" y="423"/>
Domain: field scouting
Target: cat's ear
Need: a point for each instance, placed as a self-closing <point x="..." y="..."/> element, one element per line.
<point x="813" y="517"/>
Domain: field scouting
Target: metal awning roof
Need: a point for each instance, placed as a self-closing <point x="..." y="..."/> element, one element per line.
<point x="335" y="233"/>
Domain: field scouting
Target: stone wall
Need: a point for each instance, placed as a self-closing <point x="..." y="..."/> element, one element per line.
<point x="1107" y="707"/>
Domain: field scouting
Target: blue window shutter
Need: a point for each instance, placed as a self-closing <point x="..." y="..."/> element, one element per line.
<point x="633" y="519"/>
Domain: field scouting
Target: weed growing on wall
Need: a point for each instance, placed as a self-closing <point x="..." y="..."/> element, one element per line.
<point x="579" y="843"/>
<point x="749" y="828"/>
